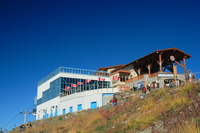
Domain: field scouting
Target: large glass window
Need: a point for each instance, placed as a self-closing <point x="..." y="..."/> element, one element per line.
<point x="73" y="85"/>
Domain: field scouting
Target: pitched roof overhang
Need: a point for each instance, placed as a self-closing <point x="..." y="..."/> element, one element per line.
<point x="110" y="67"/>
<point x="153" y="58"/>
<point x="120" y="71"/>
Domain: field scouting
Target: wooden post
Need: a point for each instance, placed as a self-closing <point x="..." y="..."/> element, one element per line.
<point x="160" y="62"/>
<point x="139" y="71"/>
<point x="175" y="73"/>
<point x="184" y="68"/>
<point x="149" y="70"/>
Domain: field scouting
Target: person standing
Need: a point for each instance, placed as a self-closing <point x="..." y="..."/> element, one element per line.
<point x="190" y="75"/>
<point x="114" y="100"/>
<point x="149" y="86"/>
<point x="133" y="87"/>
<point x="144" y="91"/>
<point x="166" y="83"/>
<point x="21" y="127"/>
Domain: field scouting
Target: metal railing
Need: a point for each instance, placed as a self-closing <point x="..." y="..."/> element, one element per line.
<point x="134" y="79"/>
<point x="75" y="71"/>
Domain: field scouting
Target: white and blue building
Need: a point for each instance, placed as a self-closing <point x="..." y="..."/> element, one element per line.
<point x="67" y="90"/>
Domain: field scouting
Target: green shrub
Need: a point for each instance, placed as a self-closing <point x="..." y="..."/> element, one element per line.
<point x="60" y="118"/>
<point x="95" y="121"/>
<point x="101" y="129"/>
<point x="78" y="131"/>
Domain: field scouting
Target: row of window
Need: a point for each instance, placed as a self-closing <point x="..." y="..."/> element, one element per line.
<point x="93" y="105"/>
<point x="82" y="71"/>
<point x="72" y="70"/>
<point x="74" y="85"/>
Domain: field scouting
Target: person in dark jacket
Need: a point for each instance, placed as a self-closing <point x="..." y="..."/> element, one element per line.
<point x="21" y="127"/>
<point x="133" y="87"/>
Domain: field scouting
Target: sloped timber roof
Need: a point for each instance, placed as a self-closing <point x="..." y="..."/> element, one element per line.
<point x="152" y="60"/>
<point x="110" y="67"/>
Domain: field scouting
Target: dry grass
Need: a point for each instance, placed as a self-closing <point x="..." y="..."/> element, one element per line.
<point x="167" y="105"/>
<point x="189" y="126"/>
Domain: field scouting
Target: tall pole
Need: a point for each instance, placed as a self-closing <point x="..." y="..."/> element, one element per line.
<point x="184" y="68"/>
<point x="24" y="118"/>
<point x="25" y="112"/>
<point x="160" y="62"/>
<point x="175" y="73"/>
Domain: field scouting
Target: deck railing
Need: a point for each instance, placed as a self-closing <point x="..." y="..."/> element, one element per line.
<point x="75" y="71"/>
<point x="141" y="77"/>
<point x="134" y="79"/>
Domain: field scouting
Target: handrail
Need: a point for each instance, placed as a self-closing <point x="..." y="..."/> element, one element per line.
<point x="134" y="79"/>
<point x="153" y="74"/>
<point x="73" y="70"/>
<point x="141" y="77"/>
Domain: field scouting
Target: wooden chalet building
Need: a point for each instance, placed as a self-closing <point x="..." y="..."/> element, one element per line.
<point x="154" y="68"/>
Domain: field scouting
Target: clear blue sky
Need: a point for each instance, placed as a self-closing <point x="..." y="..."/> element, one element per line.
<point x="38" y="36"/>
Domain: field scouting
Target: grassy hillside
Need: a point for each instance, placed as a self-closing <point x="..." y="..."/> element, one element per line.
<point x="174" y="110"/>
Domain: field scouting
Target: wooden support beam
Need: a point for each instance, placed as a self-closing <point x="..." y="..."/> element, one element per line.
<point x="160" y="62"/>
<point x="184" y="68"/>
<point x="139" y="71"/>
<point x="179" y="64"/>
<point x="149" y="69"/>
<point x="175" y="73"/>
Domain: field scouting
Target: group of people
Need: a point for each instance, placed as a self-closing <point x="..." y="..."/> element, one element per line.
<point x="23" y="126"/>
<point x="149" y="86"/>
<point x="114" y="99"/>
<point x="144" y="89"/>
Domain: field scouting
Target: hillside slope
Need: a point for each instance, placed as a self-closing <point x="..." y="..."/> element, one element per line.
<point x="162" y="110"/>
